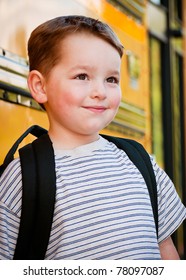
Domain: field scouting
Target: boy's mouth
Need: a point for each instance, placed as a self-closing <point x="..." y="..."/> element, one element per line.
<point x="96" y="109"/>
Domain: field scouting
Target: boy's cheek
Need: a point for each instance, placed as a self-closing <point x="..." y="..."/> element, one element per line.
<point x="117" y="102"/>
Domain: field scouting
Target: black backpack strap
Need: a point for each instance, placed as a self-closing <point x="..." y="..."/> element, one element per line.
<point x="28" y="213"/>
<point x="46" y="194"/>
<point x="139" y="156"/>
<point x="152" y="185"/>
<point x="34" y="130"/>
<point x="39" y="189"/>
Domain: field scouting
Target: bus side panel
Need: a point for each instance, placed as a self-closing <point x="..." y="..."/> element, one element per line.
<point x="14" y="120"/>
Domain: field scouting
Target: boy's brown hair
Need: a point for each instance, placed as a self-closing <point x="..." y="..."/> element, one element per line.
<point x="44" y="42"/>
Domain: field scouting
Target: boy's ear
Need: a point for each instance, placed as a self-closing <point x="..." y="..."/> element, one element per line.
<point x="36" y="85"/>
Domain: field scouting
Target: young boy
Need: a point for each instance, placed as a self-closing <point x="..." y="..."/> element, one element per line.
<point x="102" y="208"/>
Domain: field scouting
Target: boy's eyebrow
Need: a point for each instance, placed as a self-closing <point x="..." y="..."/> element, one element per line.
<point x="82" y="66"/>
<point x="115" y="72"/>
<point x="88" y="67"/>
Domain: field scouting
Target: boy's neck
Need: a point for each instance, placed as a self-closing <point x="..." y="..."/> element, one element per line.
<point x="69" y="141"/>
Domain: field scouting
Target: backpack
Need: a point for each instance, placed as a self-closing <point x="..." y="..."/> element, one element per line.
<point x="39" y="188"/>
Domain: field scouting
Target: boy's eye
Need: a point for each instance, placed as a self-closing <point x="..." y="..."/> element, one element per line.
<point x="112" y="80"/>
<point x="82" y="77"/>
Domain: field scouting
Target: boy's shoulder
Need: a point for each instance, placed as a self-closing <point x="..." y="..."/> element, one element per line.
<point x="12" y="170"/>
<point x="11" y="187"/>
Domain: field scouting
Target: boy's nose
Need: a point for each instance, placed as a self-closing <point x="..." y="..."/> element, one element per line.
<point x="99" y="90"/>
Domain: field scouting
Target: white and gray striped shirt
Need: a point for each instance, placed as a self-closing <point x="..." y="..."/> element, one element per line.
<point x="102" y="208"/>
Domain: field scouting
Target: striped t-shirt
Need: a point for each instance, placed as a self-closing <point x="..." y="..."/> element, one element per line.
<point x="102" y="208"/>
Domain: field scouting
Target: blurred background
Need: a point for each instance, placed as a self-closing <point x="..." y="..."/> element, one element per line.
<point x="153" y="82"/>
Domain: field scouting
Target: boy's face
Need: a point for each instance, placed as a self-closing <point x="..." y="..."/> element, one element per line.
<point x="83" y="92"/>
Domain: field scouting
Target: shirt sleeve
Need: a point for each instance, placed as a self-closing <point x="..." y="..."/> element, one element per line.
<point x="10" y="209"/>
<point x="171" y="211"/>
